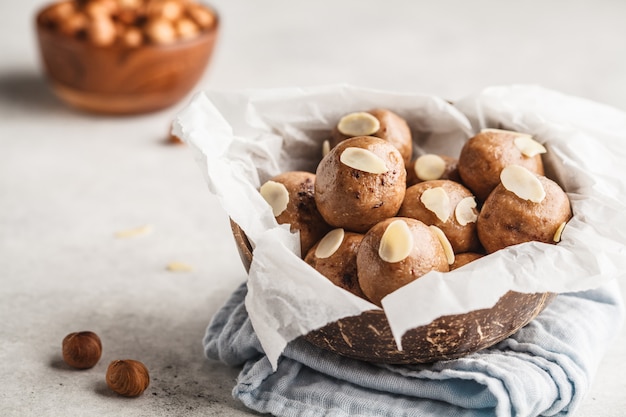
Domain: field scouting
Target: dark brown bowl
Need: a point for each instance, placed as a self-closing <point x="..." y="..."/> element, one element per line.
<point x="121" y="80"/>
<point x="368" y="336"/>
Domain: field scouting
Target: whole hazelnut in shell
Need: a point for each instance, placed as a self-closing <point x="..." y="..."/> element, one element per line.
<point x="127" y="377"/>
<point x="360" y="182"/>
<point x="82" y="350"/>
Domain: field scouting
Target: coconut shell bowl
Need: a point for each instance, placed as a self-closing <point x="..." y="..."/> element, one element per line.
<point x="368" y="336"/>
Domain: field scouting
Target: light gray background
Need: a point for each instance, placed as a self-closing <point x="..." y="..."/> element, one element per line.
<point x="69" y="181"/>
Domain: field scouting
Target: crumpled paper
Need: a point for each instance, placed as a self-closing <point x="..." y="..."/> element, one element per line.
<point x="242" y="139"/>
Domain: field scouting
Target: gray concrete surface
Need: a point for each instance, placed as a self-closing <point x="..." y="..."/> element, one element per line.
<point x="69" y="181"/>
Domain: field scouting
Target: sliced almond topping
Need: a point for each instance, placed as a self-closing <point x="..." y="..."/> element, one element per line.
<point x="396" y="243"/>
<point x="559" y="232"/>
<point x="437" y="200"/>
<point x="276" y="195"/>
<point x="179" y="267"/>
<point x="429" y="167"/>
<point x="464" y="211"/>
<point x="445" y="243"/>
<point x="522" y="183"/>
<point x="137" y="231"/>
<point x="504" y="131"/>
<point x="325" y="148"/>
<point x="358" y="124"/>
<point x="363" y="160"/>
<point x="329" y="243"/>
<point x="529" y="146"/>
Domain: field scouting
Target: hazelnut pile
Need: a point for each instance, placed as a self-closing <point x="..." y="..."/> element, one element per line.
<point x="372" y="218"/>
<point x="130" y="23"/>
<point x="128" y="377"/>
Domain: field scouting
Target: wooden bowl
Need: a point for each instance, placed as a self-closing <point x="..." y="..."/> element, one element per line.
<point x="121" y="80"/>
<point x="368" y="336"/>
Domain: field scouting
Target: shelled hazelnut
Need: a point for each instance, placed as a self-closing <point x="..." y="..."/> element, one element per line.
<point x="130" y="23"/>
<point x="127" y="377"/>
<point x="82" y="350"/>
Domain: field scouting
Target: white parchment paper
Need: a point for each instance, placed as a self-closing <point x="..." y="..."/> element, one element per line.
<point x="241" y="139"/>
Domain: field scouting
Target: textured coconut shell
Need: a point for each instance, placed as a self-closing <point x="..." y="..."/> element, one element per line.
<point x="368" y="336"/>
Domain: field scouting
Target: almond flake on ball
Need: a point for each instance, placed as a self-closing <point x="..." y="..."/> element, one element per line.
<point x="528" y="146"/>
<point x="559" y="232"/>
<point x="363" y="160"/>
<point x="464" y="211"/>
<point x="429" y="167"/>
<point x="329" y="243"/>
<point x="437" y="200"/>
<point x="276" y="195"/>
<point x="358" y="124"/>
<point x="396" y="243"/>
<point x="445" y="243"/>
<point x="523" y="183"/>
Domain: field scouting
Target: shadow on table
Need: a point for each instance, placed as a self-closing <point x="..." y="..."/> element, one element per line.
<point x="27" y="90"/>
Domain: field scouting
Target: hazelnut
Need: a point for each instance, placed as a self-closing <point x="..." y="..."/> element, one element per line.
<point x="101" y="31"/>
<point x="82" y="350"/>
<point x="127" y="377"/>
<point x="160" y="31"/>
<point x="201" y="15"/>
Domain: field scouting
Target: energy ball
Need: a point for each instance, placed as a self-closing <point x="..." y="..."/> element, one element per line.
<point x="524" y="207"/>
<point x="395" y="252"/>
<point x="360" y="182"/>
<point x="430" y="167"/>
<point x="291" y="197"/>
<point x="335" y="257"/>
<point x="449" y="206"/>
<point x="484" y="156"/>
<point x="381" y="123"/>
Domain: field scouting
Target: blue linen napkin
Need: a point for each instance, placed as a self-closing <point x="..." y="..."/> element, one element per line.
<point x="545" y="369"/>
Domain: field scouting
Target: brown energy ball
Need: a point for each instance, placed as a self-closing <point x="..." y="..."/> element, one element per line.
<point x="430" y="167"/>
<point x="291" y="196"/>
<point x="390" y="127"/>
<point x="506" y="219"/>
<point x="449" y="206"/>
<point x="462" y="259"/>
<point x="360" y="182"/>
<point x="393" y="254"/>
<point x="335" y="257"/>
<point x="484" y="156"/>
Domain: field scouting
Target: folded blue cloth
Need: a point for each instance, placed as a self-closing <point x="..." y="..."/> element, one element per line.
<point x="545" y="369"/>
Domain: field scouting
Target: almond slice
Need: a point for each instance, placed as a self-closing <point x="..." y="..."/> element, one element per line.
<point x="137" y="231"/>
<point x="396" y="243"/>
<point x="329" y="243"/>
<point x="363" y="160"/>
<point x="464" y="211"/>
<point x="504" y="131"/>
<point x="325" y="148"/>
<point x="429" y="167"/>
<point x="559" y="232"/>
<point x="522" y="183"/>
<point x="179" y="267"/>
<point x="358" y="124"/>
<point x="437" y="200"/>
<point x="445" y="243"/>
<point x="276" y="195"/>
<point x="529" y="146"/>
